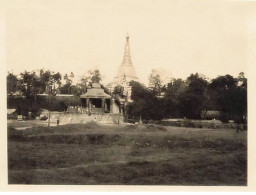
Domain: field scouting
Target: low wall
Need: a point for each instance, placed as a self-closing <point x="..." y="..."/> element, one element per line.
<point x="66" y="118"/>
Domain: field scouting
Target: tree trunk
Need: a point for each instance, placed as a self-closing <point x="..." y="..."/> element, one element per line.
<point x="49" y="118"/>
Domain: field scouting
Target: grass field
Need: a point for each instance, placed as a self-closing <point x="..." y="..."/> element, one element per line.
<point x="126" y="154"/>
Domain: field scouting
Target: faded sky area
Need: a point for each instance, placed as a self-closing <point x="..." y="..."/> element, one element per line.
<point x="181" y="37"/>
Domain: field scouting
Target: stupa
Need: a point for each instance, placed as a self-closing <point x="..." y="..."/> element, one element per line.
<point x="126" y="69"/>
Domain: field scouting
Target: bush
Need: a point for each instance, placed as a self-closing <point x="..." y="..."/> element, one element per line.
<point x="224" y="118"/>
<point x="11" y="116"/>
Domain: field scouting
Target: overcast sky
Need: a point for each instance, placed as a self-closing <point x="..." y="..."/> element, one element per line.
<point x="181" y="37"/>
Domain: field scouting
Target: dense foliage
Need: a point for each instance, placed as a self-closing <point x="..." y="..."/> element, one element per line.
<point x="23" y="90"/>
<point x="189" y="98"/>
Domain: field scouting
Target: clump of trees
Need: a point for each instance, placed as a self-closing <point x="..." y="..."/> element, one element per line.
<point x="190" y="98"/>
<point x="23" y="90"/>
<point x="28" y="85"/>
<point x="229" y="95"/>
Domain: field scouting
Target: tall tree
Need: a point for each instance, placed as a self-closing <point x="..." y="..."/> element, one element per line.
<point x="193" y="99"/>
<point x="29" y="84"/>
<point x="145" y="104"/>
<point x="119" y="91"/>
<point x="93" y="75"/>
<point x="55" y="79"/>
<point x="12" y="82"/>
<point x="49" y="81"/>
<point x="155" y="82"/>
<point x="230" y="96"/>
<point x="67" y="87"/>
<point x="172" y="99"/>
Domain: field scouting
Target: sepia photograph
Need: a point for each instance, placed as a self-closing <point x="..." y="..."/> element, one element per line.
<point x="134" y="93"/>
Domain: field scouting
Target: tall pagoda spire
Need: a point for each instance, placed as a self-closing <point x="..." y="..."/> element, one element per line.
<point x="127" y="54"/>
<point x="126" y="69"/>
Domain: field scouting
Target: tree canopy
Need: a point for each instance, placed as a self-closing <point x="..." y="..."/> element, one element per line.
<point x="187" y="98"/>
<point x="192" y="98"/>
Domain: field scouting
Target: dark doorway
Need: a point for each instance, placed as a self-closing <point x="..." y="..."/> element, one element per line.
<point x="96" y="103"/>
<point x="83" y="102"/>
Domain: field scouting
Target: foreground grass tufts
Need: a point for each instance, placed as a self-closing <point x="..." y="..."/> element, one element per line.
<point x="132" y="154"/>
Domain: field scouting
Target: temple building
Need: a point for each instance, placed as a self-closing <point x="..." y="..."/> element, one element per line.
<point x="96" y="101"/>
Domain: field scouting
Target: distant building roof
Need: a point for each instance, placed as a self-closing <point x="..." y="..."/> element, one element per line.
<point x="64" y="95"/>
<point x="210" y="114"/>
<point x="10" y="111"/>
<point x="58" y="95"/>
<point x="213" y="112"/>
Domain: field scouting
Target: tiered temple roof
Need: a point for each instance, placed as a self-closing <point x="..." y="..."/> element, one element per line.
<point x="95" y="92"/>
